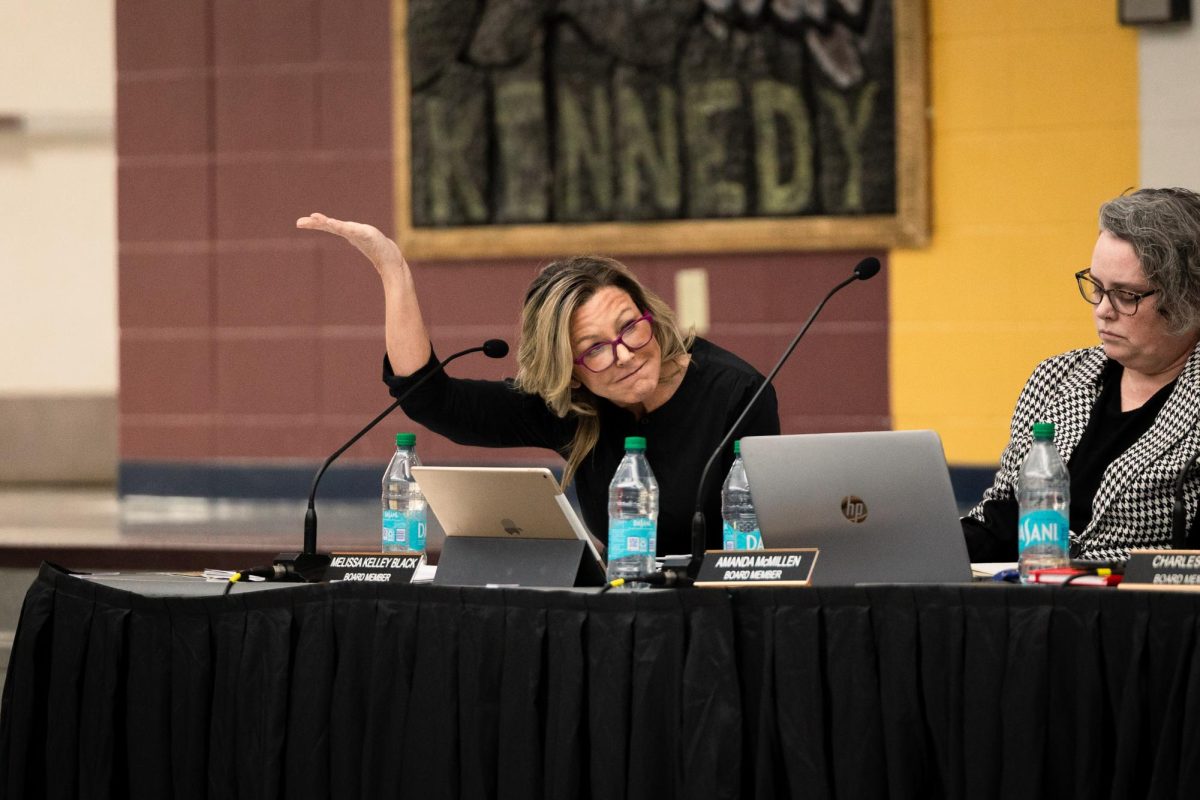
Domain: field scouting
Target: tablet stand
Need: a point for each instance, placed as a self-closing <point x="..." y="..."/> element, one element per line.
<point x="487" y="560"/>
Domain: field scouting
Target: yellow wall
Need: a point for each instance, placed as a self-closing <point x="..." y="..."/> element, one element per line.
<point x="1034" y="124"/>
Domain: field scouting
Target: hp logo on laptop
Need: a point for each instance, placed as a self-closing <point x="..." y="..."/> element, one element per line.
<point x="854" y="509"/>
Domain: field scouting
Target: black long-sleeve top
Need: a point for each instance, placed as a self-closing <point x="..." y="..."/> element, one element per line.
<point x="681" y="434"/>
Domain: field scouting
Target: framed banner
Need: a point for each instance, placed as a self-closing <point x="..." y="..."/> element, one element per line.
<point x="543" y="127"/>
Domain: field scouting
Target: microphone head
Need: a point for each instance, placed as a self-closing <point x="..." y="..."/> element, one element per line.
<point x="495" y="348"/>
<point x="867" y="268"/>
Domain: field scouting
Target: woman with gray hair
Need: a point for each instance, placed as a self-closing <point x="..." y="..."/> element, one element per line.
<point x="600" y="358"/>
<point x="1125" y="412"/>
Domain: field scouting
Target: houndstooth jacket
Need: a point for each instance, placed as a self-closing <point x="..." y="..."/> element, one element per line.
<point x="1132" y="507"/>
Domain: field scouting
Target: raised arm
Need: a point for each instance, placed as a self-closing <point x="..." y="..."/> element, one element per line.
<point x="404" y="330"/>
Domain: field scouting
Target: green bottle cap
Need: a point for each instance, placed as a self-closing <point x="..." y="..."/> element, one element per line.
<point x="737" y="447"/>
<point x="635" y="442"/>
<point x="1043" y="431"/>
<point x="406" y="439"/>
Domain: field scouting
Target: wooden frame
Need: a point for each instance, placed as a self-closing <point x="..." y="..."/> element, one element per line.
<point x="908" y="227"/>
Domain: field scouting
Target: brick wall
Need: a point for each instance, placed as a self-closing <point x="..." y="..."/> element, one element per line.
<point x="244" y="341"/>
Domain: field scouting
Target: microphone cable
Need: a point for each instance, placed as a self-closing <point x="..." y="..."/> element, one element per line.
<point x="275" y="572"/>
<point x="667" y="579"/>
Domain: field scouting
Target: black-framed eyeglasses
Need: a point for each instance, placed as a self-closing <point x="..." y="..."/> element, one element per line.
<point x="633" y="336"/>
<point x="1124" y="301"/>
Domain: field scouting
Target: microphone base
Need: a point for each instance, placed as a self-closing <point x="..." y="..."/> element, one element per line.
<point x="307" y="567"/>
<point x="675" y="577"/>
<point x="676" y="563"/>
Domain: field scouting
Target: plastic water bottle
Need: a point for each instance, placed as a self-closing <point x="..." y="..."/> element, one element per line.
<point x="403" y="503"/>
<point x="632" y="515"/>
<point x="1044" y="498"/>
<point x="740" y="529"/>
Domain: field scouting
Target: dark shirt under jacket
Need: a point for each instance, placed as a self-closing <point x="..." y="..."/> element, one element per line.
<point x="680" y="435"/>
<point x="1109" y="433"/>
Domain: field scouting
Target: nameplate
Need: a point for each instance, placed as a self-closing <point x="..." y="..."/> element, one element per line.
<point x="1163" y="569"/>
<point x="374" y="567"/>
<point x="778" y="567"/>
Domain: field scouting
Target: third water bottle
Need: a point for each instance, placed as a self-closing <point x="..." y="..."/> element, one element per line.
<point x="740" y="520"/>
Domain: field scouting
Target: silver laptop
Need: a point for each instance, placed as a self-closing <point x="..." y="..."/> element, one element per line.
<point x="878" y="504"/>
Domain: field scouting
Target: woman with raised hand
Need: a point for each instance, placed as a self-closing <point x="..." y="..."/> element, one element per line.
<point x="600" y="358"/>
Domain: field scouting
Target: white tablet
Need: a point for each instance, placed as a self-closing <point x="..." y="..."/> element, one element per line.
<point x="501" y="502"/>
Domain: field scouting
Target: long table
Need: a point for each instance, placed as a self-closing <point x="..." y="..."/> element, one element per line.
<point x="340" y="690"/>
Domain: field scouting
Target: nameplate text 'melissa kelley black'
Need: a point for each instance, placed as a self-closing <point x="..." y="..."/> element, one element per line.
<point x="374" y="567"/>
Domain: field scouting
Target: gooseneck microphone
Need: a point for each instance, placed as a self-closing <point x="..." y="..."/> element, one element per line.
<point x="1179" y="510"/>
<point x="308" y="563"/>
<point x="864" y="270"/>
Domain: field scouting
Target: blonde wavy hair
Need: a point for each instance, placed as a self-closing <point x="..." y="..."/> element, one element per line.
<point x="545" y="358"/>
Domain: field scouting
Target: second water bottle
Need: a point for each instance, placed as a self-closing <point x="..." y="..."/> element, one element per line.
<point x="632" y="514"/>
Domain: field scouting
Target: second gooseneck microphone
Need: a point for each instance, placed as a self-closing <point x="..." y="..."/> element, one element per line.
<point x="864" y="270"/>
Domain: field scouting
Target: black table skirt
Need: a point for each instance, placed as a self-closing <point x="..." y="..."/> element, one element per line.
<point x="355" y="691"/>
